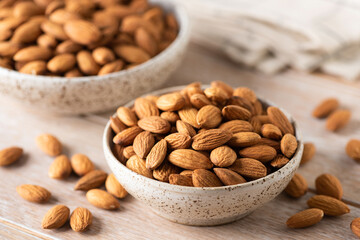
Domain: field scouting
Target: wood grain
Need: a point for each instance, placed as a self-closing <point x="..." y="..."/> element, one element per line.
<point x="296" y="92"/>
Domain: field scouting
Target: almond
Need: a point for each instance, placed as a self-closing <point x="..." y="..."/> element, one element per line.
<point x="61" y="63"/>
<point x="170" y="102"/>
<point x="338" y="120"/>
<point x="143" y="143"/>
<point x="116" y="125"/>
<point x="279" y="161"/>
<point x="113" y="187"/>
<point x="271" y="131"/>
<point x="177" y="179"/>
<point x="236" y="126"/>
<point x="10" y="155"/>
<point x="47" y="41"/>
<point x="132" y="54"/>
<point x="68" y="46"/>
<point x="138" y="165"/>
<point x="103" y="55"/>
<point x="171" y="117"/>
<point x="185" y="128"/>
<point x="233" y="112"/>
<point x="278" y="118"/>
<point x="269" y="142"/>
<point x="60" y="167"/>
<point x="156" y="155"/>
<point x="114" y="66"/>
<point x="189" y="159"/>
<point x="81" y="164"/>
<point x="118" y="152"/>
<point x="34" y="67"/>
<point x="228" y="177"/>
<point x="249" y="168"/>
<point x="128" y="152"/>
<point x="297" y="186"/>
<point x="80" y="219"/>
<point x="305" y="218"/>
<point x="145" y="108"/>
<point x="188" y="115"/>
<point x="178" y="141"/>
<point x="32" y="53"/>
<point x="82" y="32"/>
<point x="33" y="193"/>
<point x="163" y="172"/>
<point x="126" y="116"/>
<point x="288" y="145"/>
<point x="220" y="84"/>
<point x="199" y="100"/>
<point x="327" y="184"/>
<point x="49" y="144"/>
<point x="244" y="139"/>
<point x="353" y="149"/>
<point x="53" y="5"/>
<point x="264" y="119"/>
<point x="87" y="63"/>
<point x="8" y="49"/>
<point x="26" y="9"/>
<point x="54" y="29"/>
<point x="73" y="73"/>
<point x="325" y="108"/>
<point x="205" y="178"/>
<point x="146" y="41"/>
<point x="245" y="92"/>
<point x="223" y="156"/>
<point x="209" y="116"/>
<point x="216" y="95"/>
<point x="91" y="180"/>
<point x="355" y="226"/>
<point x="56" y="217"/>
<point x="61" y="16"/>
<point x="255" y="122"/>
<point x="187" y="173"/>
<point x="210" y="139"/>
<point x="127" y="136"/>
<point x="258" y="108"/>
<point x="241" y="102"/>
<point x="309" y="152"/>
<point x="27" y="32"/>
<point x="101" y="199"/>
<point x="154" y="124"/>
<point x="331" y="206"/>
<point x="262" y="153"/>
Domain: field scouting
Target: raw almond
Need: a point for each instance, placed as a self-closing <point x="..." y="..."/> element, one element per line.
<point x="68" y="46"/>
<point x="178" y="141"/>
<point x="223" y="156"/>
<point x="188" y="115"/>
<point x="177" y="179"/>
<point x="114" y="66"/>
<point x="297" y="186"/>
<point x="216" y="95"/>
<point x="327" y="184"/>
<point x="146" y="41"/>
<point x="127" y="136"/>
<point x="262" y="153"/>
<point x="189" y="159"/>
<point x="236" y="126"/>
<point x="138" y="165"/>
<point x="113" y="186"/>
<point x="143" y="143"/>
<point x="170" y="102"/>
<point x="81" y="164"/>
<point x="27" y="32"/>
<point x="255" y="122"/>
<point x="10" y="155"/>
<point x="288" y="145"/>
<point x="271" y="131"/>
<point x="279" y="161"/>
<point x="127" y="116"/>
<point x="305" y="218"/>
<point x="49" y="144"/>
<point x="54" y="29"/>
<point x="241" y="102"/>
<point x="325" y="108"/>
<point x="220" y="84"/>
<point x="116" y="125"/>
<point x="249" y="168"/>
<point x="199" y="100"/>
<point x="128" y="152"/>
<point x="233" y="112"/>
<point x="26" y="9"/>
<point x="82" y="32"/>
<point x="205" y="178"/>
<point x="185" y="128"/>
<point x="118" y="152"/>
<point x="91" y="180"/>
<point x="278" y="118"/>
<point x="103" y="55"/>
<point x="80" y="219"/>
<point x="33" y="193"/>
<point x="309" y="152"/>
<point x="187" y="173"/>
<point x="56" y="217"/>
<point x="32" y="53"/>
<point x="132" y="54"/>
<point x="353" y="149"/>
<point x="244" y="139"/>
<point x="269" y="142"/>
<point x="209" y="116"/>
<point x="145" y="108"/>
<point x="163" y="172"/>
<point x="61" y="16"/>
<point x="355" y="226"/>
<point x="210" y="139"/>
<point x="228" y="177"/>
<point x="246" y="93"/>
<point x="156" y="155"/>
<point x="101" y="199"/>
<point x="331" y="206"/>
<point x="73" y="73"/>
<point x="154" y="124"/>
<point x="60" y="167"/>
<point x="62" y="63"/>
<point x="338" y="120"/>
<point x="86" y="63"/>
<point x="171" y="117"/>
<point x="34" y="67"/>
<point x="47" y="41"/>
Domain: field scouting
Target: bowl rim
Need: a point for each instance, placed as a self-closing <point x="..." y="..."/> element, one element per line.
<point x="178" y="188"/>
<point x="184" y="33"/>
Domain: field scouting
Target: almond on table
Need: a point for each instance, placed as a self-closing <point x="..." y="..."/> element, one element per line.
<point x="10" y="155"/>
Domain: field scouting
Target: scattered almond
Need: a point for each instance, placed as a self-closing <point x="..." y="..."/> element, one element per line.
<point x="353" y="149"/>
<point x="10" y="155"/>
<point x="113" y="186"/>
<point x="33" y="193"/>
<point x="81" y="164"/>
<point x="60" y="167"/>
<point x="338" y="119"/>
<point x="327" y="184"/>
<point x="305" y="218"/>
<point x="355" y="226"/>
<point x="92" y="179"/>
<point x="101" y="199"/>
<point x="297" y="186"/>
<point x="80" y="219"/>
<point x="49" y="144"/>
<point x="56" y="217"/>
<point x="331" y="206"/>
<point x="309" y="152"/>
<point x="325" y="108"/>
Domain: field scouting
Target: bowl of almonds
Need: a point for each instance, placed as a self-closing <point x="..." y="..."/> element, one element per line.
<point x="202" y="156"/>
<point x="75" y="57"/>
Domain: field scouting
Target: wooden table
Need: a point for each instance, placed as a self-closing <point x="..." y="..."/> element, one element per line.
<point x="296" y="92"/>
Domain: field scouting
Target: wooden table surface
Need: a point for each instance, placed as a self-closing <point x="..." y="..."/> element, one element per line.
<point x="294" y="91"/>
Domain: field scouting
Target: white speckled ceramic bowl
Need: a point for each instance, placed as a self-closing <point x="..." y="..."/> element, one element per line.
<point x="202" y="206"/>
<point x="98" y="93"/>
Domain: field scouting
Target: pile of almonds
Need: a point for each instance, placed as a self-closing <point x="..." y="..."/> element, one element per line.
<point x="203" y="138"/>
<point x="80" y="38"/>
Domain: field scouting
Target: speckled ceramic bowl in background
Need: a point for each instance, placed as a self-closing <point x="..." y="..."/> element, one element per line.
<point x="202" y="206"/>
<point x="98" y="93"/>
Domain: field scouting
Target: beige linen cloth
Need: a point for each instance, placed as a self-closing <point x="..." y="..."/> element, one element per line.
<point x="270" y="35"/>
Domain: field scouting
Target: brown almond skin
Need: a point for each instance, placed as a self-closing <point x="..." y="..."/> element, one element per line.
<point x="82" y="32"/>
<point x="249" y="168"/>
<point x="306" y="218"/>
<point x="128" y="152"/>
<point x="156" y="155"/>
<point x="101" y="199"/>
<point x="355" y="227"/>
<point x="177" y="179"/>
<point x="185" y="128"/>
<point x="81" y="164"/>
<point x="279" y="161"/>
<point x="216" y="95"/>
<point x="91" y="180"/>
<point x="234" y="112"/>
<point x="116" y="125"/>
<point x="86" y="63"/>
<point x="325" y="108"/>
<point x="132" y="54"/>
<point x="163" y="172"/>
<point x="297" y="186"/>
<point x="309" y="152"/>
<point x="146" y="41"/>
<point x="171" y="117"/>
<point x="278" y="118"/>
<point x="228" y="177"/>
<point x="33" y="193"/>
<point x="327" y="184"/>
<point x="127" y="116"/>
<point x="154" y="124"/>
<point x="331" y="206"/>
<point x="60" y="167"/>
<point x="113" y="187"/>
<point x="103" y="55"/>
<point x="288" y="145"/>
<point x="271" y="131"/>
<point x="178" y="141"/>
<point x="209" y="116"/>
<point x="10" y="155"/>
<point x="223" y="156"/>
<point x="138" y="165"/>
<point x="145" y="108"/>
<point x="236" y="126"/>
<point x="143" y="143"/>
<point x="170" y="102"/>
<point x="49" y="144"/>
<point x="188" y="115"/>
<point x="353" y="149"/>
<point x="56" y="217"/>
<point x="61" y="63"/>
<point x="199" y="100"/>
<point x="34" y="67"/>
<point x="227" y="88"/>
<point x="189" y="159"/>
<point x="32" y="53"/>
<point x="245" y="92"/>
<point x="80" y="219"/>
<point x="262" y="153"/>
<point x="210" y="139"/>
<point x="244" y="139"/>
<point x="111" y="67"/>
<point x="338" y="120"/>
<point x="205" y="178"/>
<point x="127" y="136"/>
